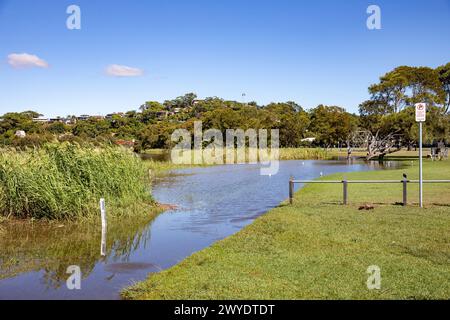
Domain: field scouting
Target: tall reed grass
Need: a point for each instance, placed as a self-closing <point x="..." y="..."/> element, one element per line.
<point x="304" y="154"/>
<point x="66" y="181"/>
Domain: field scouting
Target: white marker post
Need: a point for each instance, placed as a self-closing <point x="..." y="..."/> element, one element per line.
<point x="421" y="116"/>
<point x="104" y="225"/>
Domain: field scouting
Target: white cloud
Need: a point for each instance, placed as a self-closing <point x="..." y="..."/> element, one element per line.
<point x="23" y="60"/>
<point x="116" y="70"/>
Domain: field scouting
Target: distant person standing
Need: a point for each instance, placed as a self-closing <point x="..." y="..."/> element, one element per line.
<point x="349" y="152"/>
<point x="440" y="151"/>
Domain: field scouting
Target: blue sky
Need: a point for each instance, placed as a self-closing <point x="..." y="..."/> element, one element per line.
<point x="311" y="52"/>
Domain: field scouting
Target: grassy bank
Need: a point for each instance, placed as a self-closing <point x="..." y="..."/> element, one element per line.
<point x="66" y="181"/>
<point x="319" y="249"/>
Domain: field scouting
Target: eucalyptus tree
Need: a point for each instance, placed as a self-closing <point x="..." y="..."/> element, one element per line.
<point x="331" y="125"/>
<point x="404" y="86"/>
<point x="444" y="77"/>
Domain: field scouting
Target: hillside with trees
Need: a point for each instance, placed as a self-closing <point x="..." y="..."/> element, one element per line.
<point x="385" y="121"/>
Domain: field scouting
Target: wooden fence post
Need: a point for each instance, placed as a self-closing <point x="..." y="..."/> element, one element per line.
<point x="345" y="191"/>
<point x="291" y="190"/>
<point x="104" y="226"/>
<point x="405" y="192"/>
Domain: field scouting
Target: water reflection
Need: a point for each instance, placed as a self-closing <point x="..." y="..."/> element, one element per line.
<point x="156" y="156"/>
<point x="47" y="250"/>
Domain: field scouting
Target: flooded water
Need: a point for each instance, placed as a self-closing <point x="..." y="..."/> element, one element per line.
<point x="212" y="203"/>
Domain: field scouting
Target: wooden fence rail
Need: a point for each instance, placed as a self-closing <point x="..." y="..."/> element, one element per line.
<point x="345" y="184"/>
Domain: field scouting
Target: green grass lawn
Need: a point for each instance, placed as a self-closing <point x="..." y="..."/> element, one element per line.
<point x="319" y="249"/>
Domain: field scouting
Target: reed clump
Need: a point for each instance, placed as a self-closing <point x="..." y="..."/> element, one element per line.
<point x="305" y="154"/>
<point x="66" y="181"/>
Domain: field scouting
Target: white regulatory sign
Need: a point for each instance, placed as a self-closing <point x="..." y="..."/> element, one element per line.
<point x="421" y="112"/>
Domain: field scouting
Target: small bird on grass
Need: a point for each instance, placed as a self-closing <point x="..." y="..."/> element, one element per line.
<point x="366" y="207"/>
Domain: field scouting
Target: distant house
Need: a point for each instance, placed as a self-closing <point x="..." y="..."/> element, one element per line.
<point x="310" y="140"/>
<point x="111" y="115"/>
<point x="53" y="120"/>
<point x="41" y="120"/>
<point x="83" y="117"/>
<point x="70" y="120"/>
<point x="162" y="114"/>
<point x="197" y="101"/>
<point x="20" y="134"/>
<point x="126" y="143"/>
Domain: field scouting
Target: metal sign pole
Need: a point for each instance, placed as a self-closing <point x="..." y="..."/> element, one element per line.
<point x="421" y="116"/>
<point x="420" y="167"/>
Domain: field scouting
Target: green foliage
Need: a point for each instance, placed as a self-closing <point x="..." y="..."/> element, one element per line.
<point x="65" y="181"/>
<point x="32" y="140"/>
<point x="332" y="124"/>
<point x="11" y="122"/>
<point x="405" y="86"/>
<point x="155" y="136"/>
<point x="57" y="128"/>
<point x="444" y="77"/>
<point x="391" y="108"/>
<point x="91" y="128"/>
<point x="185" y="101"/>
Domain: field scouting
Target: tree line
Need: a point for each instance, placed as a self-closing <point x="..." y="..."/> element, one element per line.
<point x="387" y="115"/>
